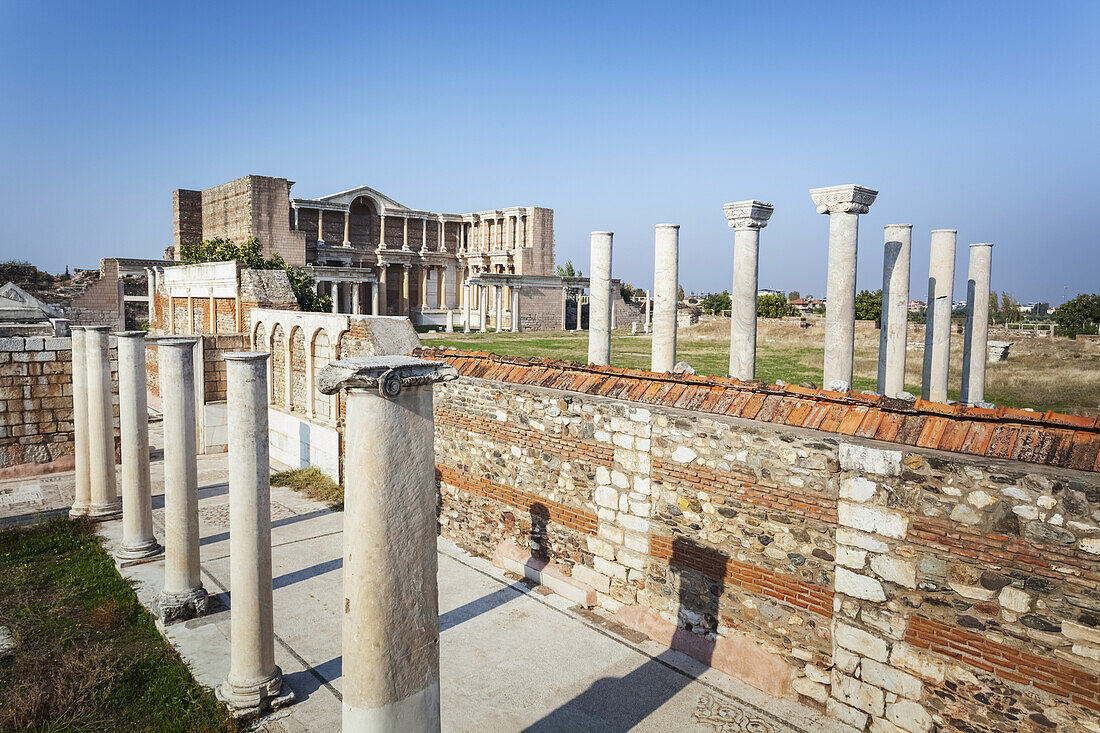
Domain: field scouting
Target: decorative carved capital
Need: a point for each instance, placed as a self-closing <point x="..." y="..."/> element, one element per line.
<point x="843" y="199"/>
<point x="388" y="374"/>
<point x="748" y="214"/>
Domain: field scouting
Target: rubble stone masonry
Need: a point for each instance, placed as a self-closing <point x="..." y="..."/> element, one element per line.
<point x="945" y="575"/>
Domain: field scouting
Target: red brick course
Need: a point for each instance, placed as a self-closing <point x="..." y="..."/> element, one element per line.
<point x="565" y="446"/>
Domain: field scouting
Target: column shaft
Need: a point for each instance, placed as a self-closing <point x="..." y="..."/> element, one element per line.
<point x="599" y="304"/>
<point x="746" y="271"/>
<point x="516" y="328"/>
<point x="374" y="300"/>
<point x="840" y="299"/>
<point x="83" y="490"/>
<point x="499" y="316"/>
<point x="466" y="304"/>
<point x="347" y="227"/>
<point x="666" y="279"/>
<point x="101" y="425"/>
<point x="895" y="309"/>
<point x="937" y="327"/>
<point x="355" y="298"/>
<point x="564" y="301"/>
<point x="137" y="506"/>
<point x="482" y="309"/>
<point x="976" y="341"/>
<point x="648" y="309"/>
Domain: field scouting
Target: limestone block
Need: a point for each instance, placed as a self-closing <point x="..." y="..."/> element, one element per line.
<point x="923" y="665"/>
<point x="869" y="460"/>
<point x="1014" y="599"/>
<point x="851" y="558"/>
<point x="876" y="520"/>
<point x="817" y="674"/>
<point x="600" y="582"/>
<point x="858" y="586"/>
<point x="636" y="524"/>
<point x="611" y="569"/>
<point x="882" y="725"/>
<point x="965" y="514"/>
<point x="980" y="499"/>
<point x="603" y="475"/>
<point x="895" y="570"/>
<point x="683" y="454"/>
<point x="888" y="678"/>
<point x="620" y="480"/>
<point x="600" y="548"/>
<point x="810" y="689"/>
<point x="845" y="714"/>
<point x="1091" y="545"/>
<point x="860" y="641"/>
<point x="845" y="660"/>
<point x="910" y="716"/>
<point x="631" y="559"/>
<point x="610" y="532"/>
<point x="607" y="497"/>
<point x="636" y="542"/>
<point x="1078" y="632"/>
<point x="857" y="694"/>
<point x="857" y="488"/>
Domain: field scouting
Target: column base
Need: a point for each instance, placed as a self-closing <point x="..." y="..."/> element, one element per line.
<point x="105" y="512"/>
<point x="419" y="711"/>
<point x="173" y="607"/>
<point x="78" y="510"/>
<point x="251" y="699"/>
<point x="140" y="551"/>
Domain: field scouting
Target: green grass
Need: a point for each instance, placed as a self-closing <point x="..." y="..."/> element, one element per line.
<point x="88" y="657"/>
<point x="313" y="483"/>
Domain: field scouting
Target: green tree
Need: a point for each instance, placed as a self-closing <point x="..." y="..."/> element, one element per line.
<point x="869" y="305"/>
<point x="794" y="295"/>
<point x="774" y="306"/>
<point x="716" y="302"/>
<point x="1010" y="309"/>
<point x="568" y="270"/>
<point x="251" y="254"/>
<point x="679" y="293"/>
<point x="994" y="308"/>
<point x="1079" y="315"/>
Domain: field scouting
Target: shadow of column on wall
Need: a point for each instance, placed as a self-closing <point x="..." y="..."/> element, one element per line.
<point x="619" y="704"/>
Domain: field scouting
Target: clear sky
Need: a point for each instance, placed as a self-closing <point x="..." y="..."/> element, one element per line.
<point x="978" y="116"/>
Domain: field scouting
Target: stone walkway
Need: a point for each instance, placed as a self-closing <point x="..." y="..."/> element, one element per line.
<point x="512" y="657"/>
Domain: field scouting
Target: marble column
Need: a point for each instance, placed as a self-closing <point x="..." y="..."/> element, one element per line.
<point x="746" y="218"/>
<point x="666" y="282"/>
<point x="648" y="308"/>
<point x="335" y="296"/>
<point x="355" y="308"/>
<point x="183" y="596"/>
<point x="483" y="309"/>
<point x="423" y="287"/>
<point x="255" y="683"/>
<point x="383" y="291"/>
<point x="391" y="606"/>
<point x="499" y="301"/>
<point x="347" y="228"/>
<point x="976" y="341"/>
<point x="105" y="503"/>
<point x="450" y="321"/>
<point x="611" y="306"/>
<point x="82" y="499"/>
<point x="516" y="328"/>
<point x="406" y="275"/>
<point x="320" y="226"/>
<point x="564" y="301"/>
<point x="580" y="308"/>
<point x="137" y="501"/>
<point x="599" y="304"/>
<point x="895" y="309"/>
<point x="374" y="299"/>
<point x="466" y="306"/>
<point x="382" y="231"/>
<point x="937" y="324"/>
<point x="843" y="204"/>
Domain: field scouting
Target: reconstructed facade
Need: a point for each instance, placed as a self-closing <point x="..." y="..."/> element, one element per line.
<point x="371" y="253"/>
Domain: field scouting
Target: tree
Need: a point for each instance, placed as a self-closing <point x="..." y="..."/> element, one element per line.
<point x="774" y="306"/>
<point x="679" y="293"/>
<point x="251" y="254"/>
<point x="716" y="302"/>
<point x="869" y="305"/>
<point x="994" y="308"/>
<point x="568" y="270"/>
<point x="1079" y="315"/>
<point x="794" y="295"/>
<point x="1010" y="309"/>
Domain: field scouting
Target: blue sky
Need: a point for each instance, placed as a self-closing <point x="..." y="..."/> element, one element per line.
<point x="977" y="116"/>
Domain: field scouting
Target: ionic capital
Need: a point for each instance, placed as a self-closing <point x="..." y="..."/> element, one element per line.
<point x="843" y="199"/>
<point x="388" y="374"/>
<point x="748" y="214"/>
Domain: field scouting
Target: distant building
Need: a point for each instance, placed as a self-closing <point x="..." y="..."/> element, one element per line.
<point x="767" y="291"/>
<point x="915" y="306"/>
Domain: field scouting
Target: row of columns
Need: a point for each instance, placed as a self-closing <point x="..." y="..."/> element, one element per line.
<point x="482" y="294"/>
<point x="843" y="205"/>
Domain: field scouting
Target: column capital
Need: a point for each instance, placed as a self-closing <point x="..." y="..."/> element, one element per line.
<point x="850" y="199"/>
<point x="748" y="214"/>
<point x="388" y="374"/>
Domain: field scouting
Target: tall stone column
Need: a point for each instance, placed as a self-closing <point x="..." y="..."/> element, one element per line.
<point x="843" y="204"/>
<point x="255" y="683"/>
<point x="976" y="341"/>
<point x="355" y="309"/>
<point x="391" y="606"/>
<point x="105" y="503"/>
<point x="183" y="596"/>
<point x="599" y="304"/>
<point x="383" y="291"/>
<point x="375" y="303"/>
<point x="580" y="308"/>
<point x="564" y="301"/>
<point x="746" y="218"/>
<point x="648" y="307"/>
<point x="321" y="227"/>
<point x="423" y="287"/>
<point x="335" y="296"/>
<point x="516" y="327"/>
<point x="499" y="302"/>
<point x="666" y="283"/>
<point x="611" y="305"/>
<point x="347" y="227"/>
<point x="937" y="324"/>
<point x="450" y="327"/>
<point x="483" y="309"/>
<point x="895" y="309"/>
<point x="406" y="275"/>
<point x="82" y="498"/>
<point x="467" y="299"/>
<point x="137" y="501"/>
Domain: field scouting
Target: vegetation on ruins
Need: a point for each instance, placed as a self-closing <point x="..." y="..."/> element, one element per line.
<point x="1079" y="315"/>
<point x="251" y="254"/>
<point x="774" y="306"/>
<point x="314" y="483"/>
<point x="716" y="302"/>
<point x="869" y="305"/>
<point x="87" y="656"/>
<point x="568" y="270"/>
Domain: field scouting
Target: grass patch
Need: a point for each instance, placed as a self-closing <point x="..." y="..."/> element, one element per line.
<point x="314" y="483"/>
<point x="88" y="657"/>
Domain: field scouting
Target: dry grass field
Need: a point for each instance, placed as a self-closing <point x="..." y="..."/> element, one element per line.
<point x="1043" y="374"/>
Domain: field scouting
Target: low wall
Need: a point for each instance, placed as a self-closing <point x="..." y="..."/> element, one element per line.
<point x="298" y="442"/>
<point x="894" y="563"/>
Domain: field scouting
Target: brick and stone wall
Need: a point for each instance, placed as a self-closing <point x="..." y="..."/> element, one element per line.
<point x="898" y="564"/>
<point x="36" y="404"/>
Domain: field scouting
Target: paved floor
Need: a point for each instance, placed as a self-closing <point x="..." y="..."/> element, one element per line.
<point x="512" y="657"/>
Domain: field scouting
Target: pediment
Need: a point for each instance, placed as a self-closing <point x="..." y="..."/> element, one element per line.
<point x="16" y="304"/>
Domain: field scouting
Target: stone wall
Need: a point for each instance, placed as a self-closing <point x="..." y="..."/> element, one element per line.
<point x="36" y="396"/>
<point x="899" y="565"/>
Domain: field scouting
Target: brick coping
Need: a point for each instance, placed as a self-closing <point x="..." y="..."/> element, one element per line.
<point x="1050" y="438"/>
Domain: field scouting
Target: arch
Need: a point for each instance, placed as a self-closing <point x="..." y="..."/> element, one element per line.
<point x="322" y="353"/>
<point x="363" y="227"/>
<point x="278" y="366"/>
<point x="299" y="362"/>
<point x="259" y="337"/>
